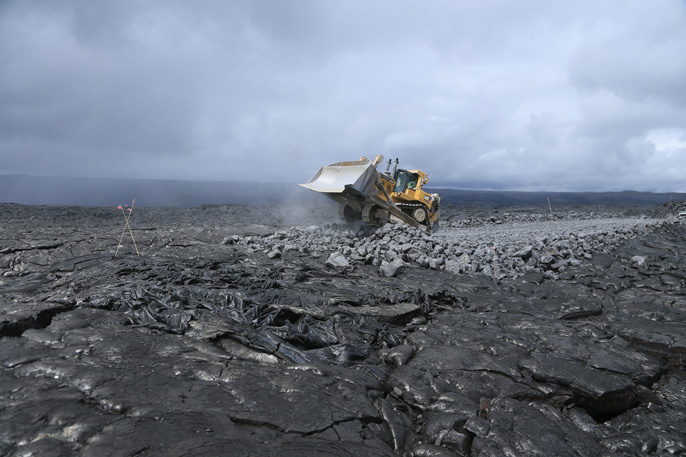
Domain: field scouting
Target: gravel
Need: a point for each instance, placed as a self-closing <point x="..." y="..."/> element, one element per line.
<point x="507" y="246"/>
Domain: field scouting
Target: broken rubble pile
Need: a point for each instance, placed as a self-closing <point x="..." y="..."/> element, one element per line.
<point x="482" y="219"/>
<point x="671" y="208"/>
<point x="503" y="251"/>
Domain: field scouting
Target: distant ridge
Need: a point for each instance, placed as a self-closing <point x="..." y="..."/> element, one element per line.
<point x="460" y="197"/>
<point x="36" y="190"/>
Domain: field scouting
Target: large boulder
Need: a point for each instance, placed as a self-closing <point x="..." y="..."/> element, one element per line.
<point x="390" y="269"/>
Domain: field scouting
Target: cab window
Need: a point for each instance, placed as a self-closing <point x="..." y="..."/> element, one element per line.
<point x="405" y="180"/>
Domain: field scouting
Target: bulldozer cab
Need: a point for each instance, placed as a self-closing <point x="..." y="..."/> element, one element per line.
<point x="405" y="180"/>
<point x="408" y="181"/>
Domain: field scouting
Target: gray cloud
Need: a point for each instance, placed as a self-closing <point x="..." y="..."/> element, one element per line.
<point x="508" y="95"/>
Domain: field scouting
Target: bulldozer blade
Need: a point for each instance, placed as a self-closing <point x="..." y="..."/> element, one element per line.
<point x="334" y="179"/>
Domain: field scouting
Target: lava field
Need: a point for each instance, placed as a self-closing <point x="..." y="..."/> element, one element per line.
<point x="270" y="330"/>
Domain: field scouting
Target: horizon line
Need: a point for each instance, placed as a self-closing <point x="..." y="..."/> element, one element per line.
<point x="438" y="186"/>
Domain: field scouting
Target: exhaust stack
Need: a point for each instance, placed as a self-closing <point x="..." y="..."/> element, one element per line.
<point x="395" y="167"/>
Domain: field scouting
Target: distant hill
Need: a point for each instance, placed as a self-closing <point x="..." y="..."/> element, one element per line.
<point x="459" y="197"/>
<point x="35" y="190"/>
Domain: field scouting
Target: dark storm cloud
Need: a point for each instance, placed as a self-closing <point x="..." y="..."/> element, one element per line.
<point x="498" y="94"/>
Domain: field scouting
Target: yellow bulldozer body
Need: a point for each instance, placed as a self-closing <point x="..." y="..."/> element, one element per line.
<point x="364" y="193"/>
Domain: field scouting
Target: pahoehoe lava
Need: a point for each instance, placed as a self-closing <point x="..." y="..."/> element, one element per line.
<point x="262" y="330"/>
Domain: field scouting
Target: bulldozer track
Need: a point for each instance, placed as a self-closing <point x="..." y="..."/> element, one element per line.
<point x="375" y="215"/>
<point x="410" y="205"/>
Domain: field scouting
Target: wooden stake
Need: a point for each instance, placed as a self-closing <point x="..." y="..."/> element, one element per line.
<point x="127" y="226"/>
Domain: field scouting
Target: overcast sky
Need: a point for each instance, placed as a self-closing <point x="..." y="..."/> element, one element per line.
<point x="521" y="95"/>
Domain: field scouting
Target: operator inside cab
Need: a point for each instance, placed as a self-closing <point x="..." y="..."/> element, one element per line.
<point x="405" y="180"/>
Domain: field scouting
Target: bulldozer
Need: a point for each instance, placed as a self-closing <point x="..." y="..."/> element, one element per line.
<point x="363" y="193"/>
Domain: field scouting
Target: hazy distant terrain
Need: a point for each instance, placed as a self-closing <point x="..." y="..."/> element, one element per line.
<point x="34" y="190"/>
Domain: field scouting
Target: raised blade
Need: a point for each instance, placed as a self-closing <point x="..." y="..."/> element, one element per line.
<point x="333" y="179"/>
